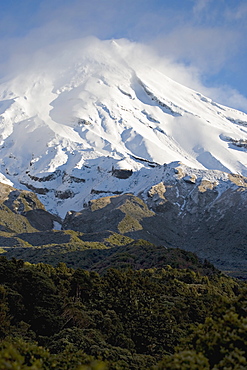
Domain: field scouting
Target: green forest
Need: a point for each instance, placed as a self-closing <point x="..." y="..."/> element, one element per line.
<point x="185" y="315"/>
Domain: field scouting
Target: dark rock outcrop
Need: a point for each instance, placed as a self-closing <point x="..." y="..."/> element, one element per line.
<point x="193" y="214"/>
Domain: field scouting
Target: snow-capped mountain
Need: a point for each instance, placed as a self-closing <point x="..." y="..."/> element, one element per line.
<point x="102" y="122"/>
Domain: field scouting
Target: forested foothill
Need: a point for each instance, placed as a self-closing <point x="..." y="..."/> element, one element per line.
<point x="183" y="317"/>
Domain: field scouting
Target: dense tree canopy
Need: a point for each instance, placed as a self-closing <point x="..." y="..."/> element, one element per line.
<point x="165" y="318"/>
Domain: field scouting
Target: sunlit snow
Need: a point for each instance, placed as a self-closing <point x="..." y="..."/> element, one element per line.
<point x="67" y="124"/>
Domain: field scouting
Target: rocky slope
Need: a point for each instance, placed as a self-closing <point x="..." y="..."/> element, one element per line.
<point x="21" y="211"/>
<point x="186" y="210"/>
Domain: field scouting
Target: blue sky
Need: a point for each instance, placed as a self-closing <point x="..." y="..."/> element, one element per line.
<point x="204" y="39"/>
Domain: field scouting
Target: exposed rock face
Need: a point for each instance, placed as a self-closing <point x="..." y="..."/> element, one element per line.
<point x="64" y="194"/>
<point x="203" y="216"/>
<point x="121" y="174"/>
<point x="21" y="210"/>
<point x="201" y="219"/>
<point x="184" y="208"/>
<point x="121" y="213"/>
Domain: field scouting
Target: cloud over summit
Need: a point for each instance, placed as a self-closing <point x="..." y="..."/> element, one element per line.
<point x="204" y="39"/>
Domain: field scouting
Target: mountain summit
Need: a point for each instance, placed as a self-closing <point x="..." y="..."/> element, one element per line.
<point x="104" y="122"/>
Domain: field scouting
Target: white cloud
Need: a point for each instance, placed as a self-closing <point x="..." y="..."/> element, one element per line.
<point x="228" y="96"/>
<point x="236" y="13"/>
<point x="188" y="48"/>
<point x="200" y="6"/>
<point x="188" y="75"/>
<point x="205" y="48"/>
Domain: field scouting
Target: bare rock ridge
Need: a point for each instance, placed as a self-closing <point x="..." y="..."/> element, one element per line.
<point x="204" y="216"/>
<point x="198" y="211"/>
<point x="21" y="210"/>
